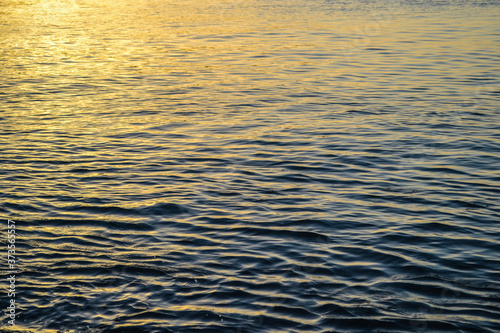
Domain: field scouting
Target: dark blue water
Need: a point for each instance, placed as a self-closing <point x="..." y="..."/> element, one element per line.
<point x="251" y="166"/>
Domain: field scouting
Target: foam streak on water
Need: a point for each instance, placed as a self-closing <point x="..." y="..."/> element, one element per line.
<point x="252" y="166"/>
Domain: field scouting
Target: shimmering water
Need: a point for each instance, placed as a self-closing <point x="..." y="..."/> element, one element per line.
<point x="251" y="166"/>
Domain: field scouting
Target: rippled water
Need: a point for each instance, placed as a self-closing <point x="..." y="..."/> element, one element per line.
<point x="251" y="166"/>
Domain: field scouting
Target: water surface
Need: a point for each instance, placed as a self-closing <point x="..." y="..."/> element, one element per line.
<point x="252" y="166"/>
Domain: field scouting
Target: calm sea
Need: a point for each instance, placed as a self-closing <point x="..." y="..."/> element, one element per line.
<point x="250" y="166"/>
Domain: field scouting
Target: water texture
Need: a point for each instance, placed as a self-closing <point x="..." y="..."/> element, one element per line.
<point x="251" y="166"/>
